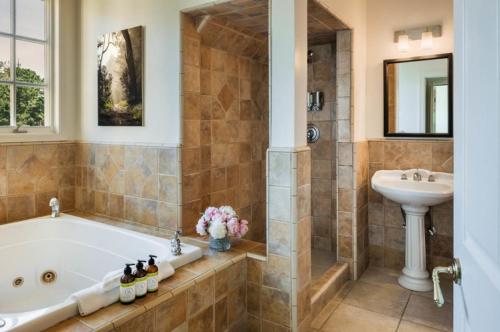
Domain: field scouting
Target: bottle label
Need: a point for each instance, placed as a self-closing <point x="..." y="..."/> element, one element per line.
<point x="141" y="286"/>
<point x="152" y="282"/>
<point x="127" y="292"/>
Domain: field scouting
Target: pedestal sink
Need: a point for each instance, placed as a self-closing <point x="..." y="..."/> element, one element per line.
<point x="416" y="190"/>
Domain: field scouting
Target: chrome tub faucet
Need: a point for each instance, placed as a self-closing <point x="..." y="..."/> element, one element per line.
<point x="54" y="205"/>
<point x="175" y="244"/>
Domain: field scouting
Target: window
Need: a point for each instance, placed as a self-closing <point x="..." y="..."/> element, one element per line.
<point x="25" y="63"/>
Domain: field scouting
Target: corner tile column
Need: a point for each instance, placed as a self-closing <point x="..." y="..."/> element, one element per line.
<point x="285" y="291"/>
<point x="287" y="274"/>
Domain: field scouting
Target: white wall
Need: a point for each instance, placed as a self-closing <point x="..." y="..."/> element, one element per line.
<point x="67" y="55"/>
<point x="161" y="21"/>
<point x="288" y="74"/>
<point x="384" y="17"/>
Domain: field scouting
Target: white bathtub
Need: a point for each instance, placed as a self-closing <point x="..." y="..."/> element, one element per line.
<point x="80" y="251"/>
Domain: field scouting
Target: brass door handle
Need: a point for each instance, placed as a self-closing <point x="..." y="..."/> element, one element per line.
<point x="455" y="270"/>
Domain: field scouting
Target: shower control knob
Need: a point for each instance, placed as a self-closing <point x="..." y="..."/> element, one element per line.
<point x="312" y="133"/>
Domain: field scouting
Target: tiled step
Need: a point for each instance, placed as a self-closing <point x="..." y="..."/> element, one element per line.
<point x="325" y="288"/>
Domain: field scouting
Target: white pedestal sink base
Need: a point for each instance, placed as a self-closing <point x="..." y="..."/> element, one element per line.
<point x="415" y="275"/>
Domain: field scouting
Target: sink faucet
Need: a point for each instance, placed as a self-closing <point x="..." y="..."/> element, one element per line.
<point x="54" y="204"/>
<point x="175" y="244"/>
<point x="417" y="176"/>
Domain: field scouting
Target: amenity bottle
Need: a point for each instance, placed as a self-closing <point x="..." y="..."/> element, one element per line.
<point x="127" y="286"/>
<point x="141" y="280"/>
<point x="152" y="275"/>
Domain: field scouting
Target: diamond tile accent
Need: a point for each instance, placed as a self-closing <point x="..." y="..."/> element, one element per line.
<point x="226" y="97"/>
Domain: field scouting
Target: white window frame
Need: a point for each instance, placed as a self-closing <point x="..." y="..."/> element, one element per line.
<point x="6" y="132"/>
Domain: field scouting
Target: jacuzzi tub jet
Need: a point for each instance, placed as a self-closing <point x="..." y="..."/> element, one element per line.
<point x="18" y="282"/>
<point x="48" y="277"/>
<point x="2" y="323"/>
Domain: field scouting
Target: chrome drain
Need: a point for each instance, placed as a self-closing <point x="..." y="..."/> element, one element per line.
<point x="48" y="277"/>
<point x="18" y="282"/>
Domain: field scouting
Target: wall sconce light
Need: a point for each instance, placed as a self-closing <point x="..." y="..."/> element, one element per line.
<point x="426" y="43"/>
<point x="403" y="43"/>
<point x="425" y="34"/>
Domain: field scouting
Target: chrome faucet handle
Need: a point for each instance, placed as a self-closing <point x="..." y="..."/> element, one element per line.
<point x="404" y="176"/>
<point x="54" y="204"/>
<point x="431" y="178"/>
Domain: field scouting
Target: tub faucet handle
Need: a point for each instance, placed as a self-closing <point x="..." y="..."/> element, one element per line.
<point x="54" y="204"/>
<point x="175" y="244"/>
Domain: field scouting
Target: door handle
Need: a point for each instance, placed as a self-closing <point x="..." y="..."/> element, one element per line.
<point x="455" y="270"/>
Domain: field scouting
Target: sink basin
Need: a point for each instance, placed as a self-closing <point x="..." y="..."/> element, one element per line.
<point x="415" y="197"/>
<point x="414" y="193"/>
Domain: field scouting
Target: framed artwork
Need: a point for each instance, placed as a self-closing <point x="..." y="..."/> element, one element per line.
<point x="120" y="78"/>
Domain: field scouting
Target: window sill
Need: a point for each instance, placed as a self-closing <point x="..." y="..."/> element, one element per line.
<point x="33" y="135"/>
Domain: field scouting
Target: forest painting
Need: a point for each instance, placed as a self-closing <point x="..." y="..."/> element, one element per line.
<point x="119" y="76"/>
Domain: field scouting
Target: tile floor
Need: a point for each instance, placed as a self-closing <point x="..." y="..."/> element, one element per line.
<point x="321" y="261"/>
<point x="377" y="303"/>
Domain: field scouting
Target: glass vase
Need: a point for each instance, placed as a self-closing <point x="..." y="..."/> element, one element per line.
<point x="219" y="244"/>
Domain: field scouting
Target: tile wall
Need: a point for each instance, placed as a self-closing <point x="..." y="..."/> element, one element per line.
<point x="31" y="174"/>
<point x="386" y="234"/>
<point x="225" y="130"/>
<point x="283" y="285"/>
<point x="322" y="77"/>
<point x="352" y="170"/>
<point x="131" y="183"/>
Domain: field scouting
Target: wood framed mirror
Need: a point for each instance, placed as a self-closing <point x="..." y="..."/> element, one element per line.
<point x="418" y="96"/>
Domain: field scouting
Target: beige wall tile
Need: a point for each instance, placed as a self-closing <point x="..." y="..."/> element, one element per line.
<point x="168" y="161"/>
<point x="236" y="304"/>
<point x="20" y="207"/>
<point x="200" y="296"/>
<point x="203" y="321"/>
<point x="277" y="304"/>
<point x="221" y="310"/>
<point x="18" y="155"/>
<point x="279" y="203"/>
<point x="191" y="79"/>
<point x="168" y="188"/>
<point x="277" y="271"/>
<point x="171" y="313"/>
<point x="279" y="169"/>
<point x="345" y="199"/>
<point x="442" y="157"/>
<point x="376" y="151"/>
<point x="280" y="238"/>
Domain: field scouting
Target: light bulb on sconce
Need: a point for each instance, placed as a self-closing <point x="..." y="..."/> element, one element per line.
<point x="403" y="43"/>
<point x="427" y="40"/>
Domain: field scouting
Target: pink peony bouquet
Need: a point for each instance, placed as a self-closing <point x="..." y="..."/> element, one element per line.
<point x="221" y="222"/>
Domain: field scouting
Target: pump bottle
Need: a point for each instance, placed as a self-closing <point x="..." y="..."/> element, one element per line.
<point x="152" y="271"/>
<point x="127" y="286"/>
<point x="141" y="280"/>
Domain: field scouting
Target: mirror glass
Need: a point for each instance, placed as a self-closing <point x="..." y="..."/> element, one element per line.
<point x="418" y="95"/>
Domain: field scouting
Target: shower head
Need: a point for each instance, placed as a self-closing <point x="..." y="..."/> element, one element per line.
<point x="201" y="22"/>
